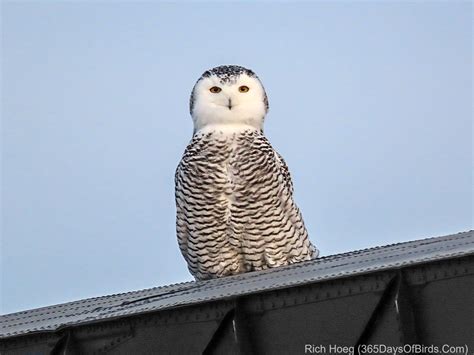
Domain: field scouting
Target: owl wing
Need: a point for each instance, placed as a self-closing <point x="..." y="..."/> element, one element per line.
<point x="306" y="250"/>
<point x="274" y="232"/>
<point x="284" y="172"/>
<point x="181" y="227"/>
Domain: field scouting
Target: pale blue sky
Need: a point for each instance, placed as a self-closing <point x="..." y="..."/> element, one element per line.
<point x="370" y="104"/>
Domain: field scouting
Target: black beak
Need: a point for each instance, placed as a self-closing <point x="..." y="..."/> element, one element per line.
<point x="229" y="105"/>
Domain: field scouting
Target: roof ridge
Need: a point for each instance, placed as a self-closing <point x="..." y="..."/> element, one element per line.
<point x="217" y="283"/>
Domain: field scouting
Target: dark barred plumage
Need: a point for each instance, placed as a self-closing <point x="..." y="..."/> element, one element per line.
<point x="235" y="208"/>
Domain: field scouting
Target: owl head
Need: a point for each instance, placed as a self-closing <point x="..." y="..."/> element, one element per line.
<point x="227" y="97"/>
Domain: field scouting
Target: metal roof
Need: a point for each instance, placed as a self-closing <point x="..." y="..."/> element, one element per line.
<point x="92" y="310"/>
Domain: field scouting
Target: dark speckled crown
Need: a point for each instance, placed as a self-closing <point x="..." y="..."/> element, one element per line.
<point x="228" y="73"/>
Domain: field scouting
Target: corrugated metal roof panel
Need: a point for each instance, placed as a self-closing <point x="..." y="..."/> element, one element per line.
<point x="326" y="268"/>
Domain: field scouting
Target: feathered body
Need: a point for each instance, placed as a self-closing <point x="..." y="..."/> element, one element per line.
<point x="234" y="195"/>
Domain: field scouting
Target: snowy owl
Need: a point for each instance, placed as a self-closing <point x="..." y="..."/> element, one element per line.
<point x="234" y="194"/>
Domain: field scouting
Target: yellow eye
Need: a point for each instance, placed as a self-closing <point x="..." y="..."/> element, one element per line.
<point x="215" y="89"/>
<point x="244" y="88"/>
